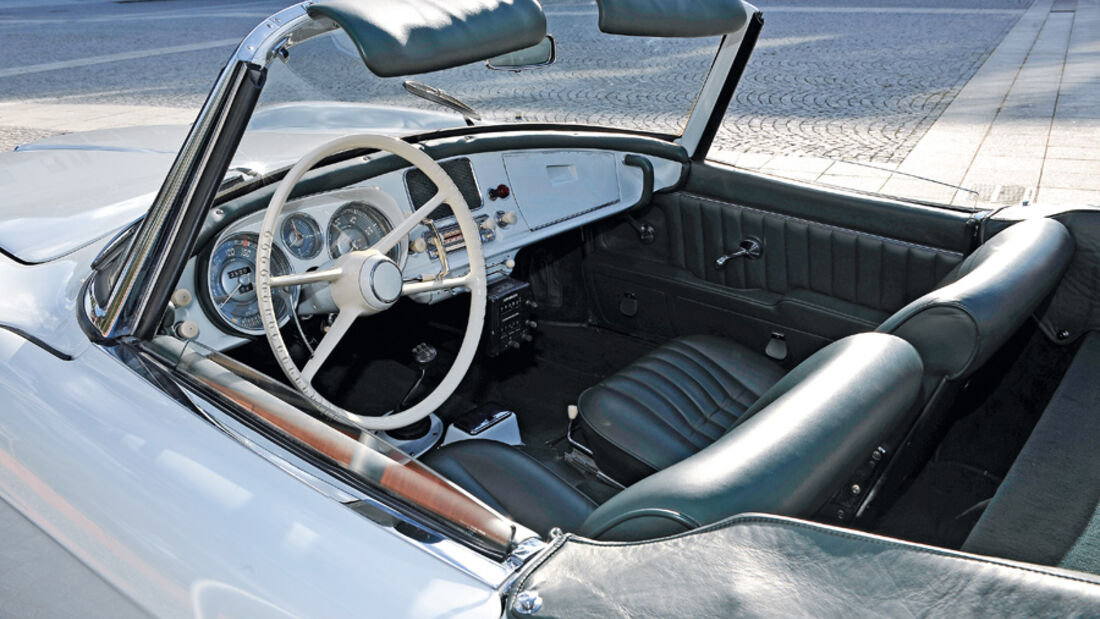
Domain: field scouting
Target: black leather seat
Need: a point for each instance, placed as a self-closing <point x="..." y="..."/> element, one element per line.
<point x="686" y="394"/>
<point x="810" y="431"/>
<point x="671" y="403"/>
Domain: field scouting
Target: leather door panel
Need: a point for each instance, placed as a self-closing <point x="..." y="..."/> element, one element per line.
<point x="815" y="281"/>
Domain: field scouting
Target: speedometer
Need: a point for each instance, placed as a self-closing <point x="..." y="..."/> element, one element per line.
<point x="357" y="226"/>
<point x="231" y="283"/>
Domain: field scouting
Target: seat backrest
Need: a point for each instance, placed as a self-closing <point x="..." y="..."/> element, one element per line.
<point x="983" y="300"/>
<point x="822" y="420"/>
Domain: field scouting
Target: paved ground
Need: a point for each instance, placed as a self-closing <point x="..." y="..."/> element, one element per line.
<point x="953" y="90"/>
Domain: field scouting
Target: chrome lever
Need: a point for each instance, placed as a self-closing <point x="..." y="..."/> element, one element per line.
<point x="749" y="248"/>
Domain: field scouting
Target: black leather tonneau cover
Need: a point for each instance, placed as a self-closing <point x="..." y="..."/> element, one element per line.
<point x="759" y="565"/>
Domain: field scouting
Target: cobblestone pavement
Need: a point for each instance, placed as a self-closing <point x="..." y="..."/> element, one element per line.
<point x="858" y="85"/>
<point x="859" y="80"/>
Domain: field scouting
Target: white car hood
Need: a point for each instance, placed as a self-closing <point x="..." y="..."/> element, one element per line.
<point x="63" y="193"/>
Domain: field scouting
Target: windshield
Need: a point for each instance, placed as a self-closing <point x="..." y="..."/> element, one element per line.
<point x="636" y="83"/>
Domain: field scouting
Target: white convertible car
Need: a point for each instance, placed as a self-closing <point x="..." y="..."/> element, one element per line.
<point x="381" y="347"/>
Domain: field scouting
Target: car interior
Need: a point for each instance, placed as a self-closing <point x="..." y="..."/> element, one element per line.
<point x="667" y="342"/>
<point x="644" y="363"/>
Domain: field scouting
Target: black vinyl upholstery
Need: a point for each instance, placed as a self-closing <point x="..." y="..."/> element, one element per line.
<point x="984" y="299"/>
<point x="821" y="421"/>
<point x="512" y="483"/>
<point x="789" y="454"/>
<point x="846" y="270"/>
<point x="686" y="394"/>
<point x="671" y="403"/>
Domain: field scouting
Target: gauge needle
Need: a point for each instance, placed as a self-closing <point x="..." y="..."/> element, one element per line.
<point x="230" y="295"/>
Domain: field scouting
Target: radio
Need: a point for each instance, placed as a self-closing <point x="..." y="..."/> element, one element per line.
<point x="508" y="321"/>
<point x="451" y="236"/>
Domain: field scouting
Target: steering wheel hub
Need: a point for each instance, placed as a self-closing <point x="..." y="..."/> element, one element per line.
<point x="380" y="281"/>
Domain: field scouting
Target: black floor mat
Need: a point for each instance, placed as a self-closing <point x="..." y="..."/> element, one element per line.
<point x="995" y="415"/>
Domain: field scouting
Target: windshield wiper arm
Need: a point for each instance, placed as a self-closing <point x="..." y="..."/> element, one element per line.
<point x="437" y="95"/>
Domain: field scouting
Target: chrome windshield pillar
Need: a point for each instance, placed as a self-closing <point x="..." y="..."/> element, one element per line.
<point x="162" y="244"/>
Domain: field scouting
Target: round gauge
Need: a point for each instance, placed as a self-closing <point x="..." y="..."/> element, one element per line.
<point x="357" y="226"/>
<point x="231" y="281"/>
<point x="302" y="236"/>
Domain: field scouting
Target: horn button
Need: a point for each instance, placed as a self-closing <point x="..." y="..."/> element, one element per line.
<point x="380" y="281"/>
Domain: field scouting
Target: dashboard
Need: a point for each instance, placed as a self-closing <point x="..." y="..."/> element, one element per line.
<point x="517" y="198"/>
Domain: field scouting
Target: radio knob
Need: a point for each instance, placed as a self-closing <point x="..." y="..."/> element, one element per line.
<point x="418" y="245"/>
<point x="506" y="218"/>
<point x="488" y="225"/>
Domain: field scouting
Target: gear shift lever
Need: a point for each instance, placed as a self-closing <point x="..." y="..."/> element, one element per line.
<point x="423" y="354"/>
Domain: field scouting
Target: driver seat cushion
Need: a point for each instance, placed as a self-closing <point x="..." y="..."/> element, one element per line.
<point x="671" y="403"/>
<point x="512" y="483"/>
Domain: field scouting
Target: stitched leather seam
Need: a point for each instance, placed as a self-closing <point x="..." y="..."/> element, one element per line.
<point x="884" y="239"/>
<point x="686" y="343"/>
<point x="715" y="405"/>
<point x="783" y="522"/>
<point x="709" y="372"/>
<point x="746" y="397"/>
<point x="686" y="376"/>
<point x="676" y="409"/>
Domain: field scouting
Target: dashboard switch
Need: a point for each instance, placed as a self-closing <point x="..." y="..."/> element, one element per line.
<point x="418" y="245"/>
<point x="506" y="218"/>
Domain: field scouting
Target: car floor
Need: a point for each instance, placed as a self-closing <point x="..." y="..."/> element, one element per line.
<point x="994" y="416"/>
<point x="372" y="370"/>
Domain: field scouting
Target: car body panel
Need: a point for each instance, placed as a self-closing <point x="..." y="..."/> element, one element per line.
<point x="41" y="300"/>
<point x="64" y="192"/>
<point x="129" y="481"/>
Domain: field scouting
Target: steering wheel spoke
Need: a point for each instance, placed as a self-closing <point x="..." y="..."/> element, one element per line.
<point x="401" y="230"/>
<point x="310" y="277"/>
<point x="411" y="288"/>
<point x="336" y="332"/>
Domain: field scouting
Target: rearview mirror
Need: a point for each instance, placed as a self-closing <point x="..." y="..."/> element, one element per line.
<point x="538" y="55"/>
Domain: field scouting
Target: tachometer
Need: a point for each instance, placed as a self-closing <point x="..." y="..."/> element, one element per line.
<point x="357" y="226"/>
<point x="302" y="236"/>
<point x="231" y="283"/>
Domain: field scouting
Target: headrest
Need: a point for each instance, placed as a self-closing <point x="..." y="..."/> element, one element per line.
<point x="672" y="18"/>
<point x="407" y="37"/>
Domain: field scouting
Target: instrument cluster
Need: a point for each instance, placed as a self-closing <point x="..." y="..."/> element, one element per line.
<point x="226" y="271"/>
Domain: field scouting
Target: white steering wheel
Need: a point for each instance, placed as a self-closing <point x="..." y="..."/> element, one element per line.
<point x="368" y="282"/>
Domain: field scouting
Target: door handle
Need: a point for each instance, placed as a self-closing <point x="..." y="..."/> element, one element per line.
<point x="749" y="248"/>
